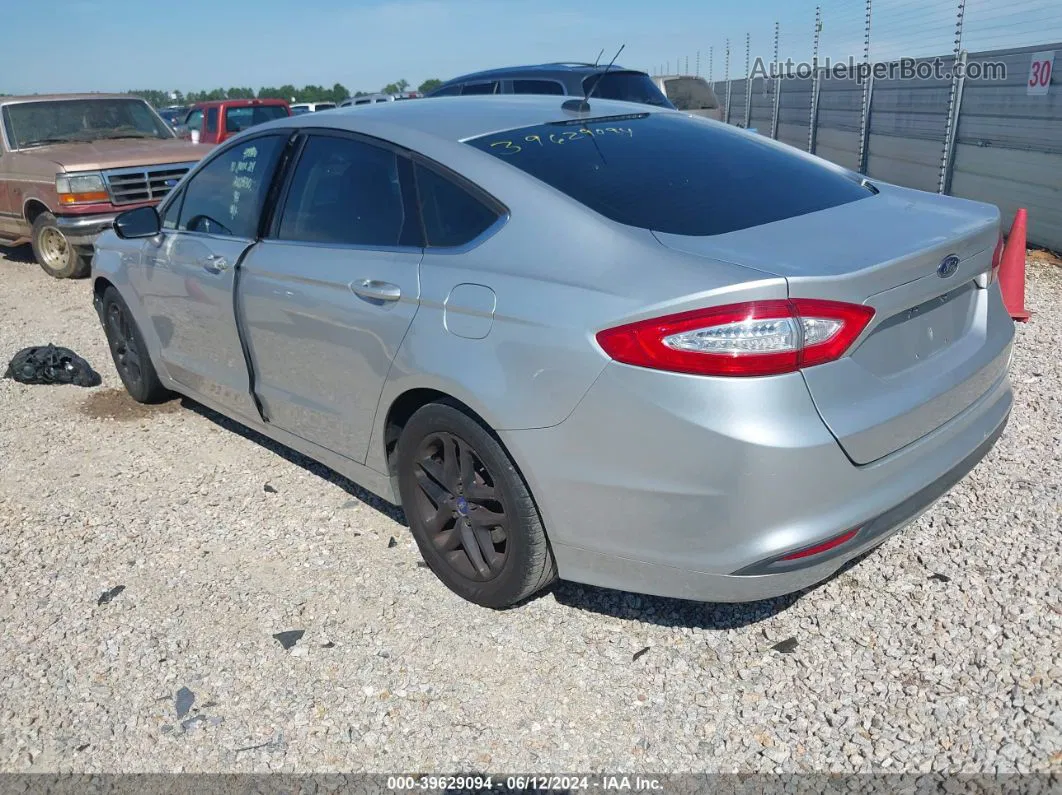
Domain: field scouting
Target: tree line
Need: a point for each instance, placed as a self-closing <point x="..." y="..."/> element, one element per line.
<point x="311" y="93"/>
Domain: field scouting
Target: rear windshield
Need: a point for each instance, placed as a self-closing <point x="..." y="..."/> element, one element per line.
<point x="672" y="173"/>
<point x="627" y="87"/>
<point x="691" y="93"/>
<point x="240" y="118"/>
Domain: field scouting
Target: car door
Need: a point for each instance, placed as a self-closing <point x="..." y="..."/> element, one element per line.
<point x="327" y="298"/>
<point x="8" y="217"/>
<point x="186" y="283"/>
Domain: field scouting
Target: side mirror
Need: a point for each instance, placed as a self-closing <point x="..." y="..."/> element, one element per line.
<point x="141" y="222"/>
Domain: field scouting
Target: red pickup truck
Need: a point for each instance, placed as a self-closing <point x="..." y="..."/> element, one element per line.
<point x="216" y="121"/>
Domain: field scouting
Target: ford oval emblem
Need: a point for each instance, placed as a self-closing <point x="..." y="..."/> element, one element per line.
<point x="171" y="183"/>
<point x="948" y="266"/>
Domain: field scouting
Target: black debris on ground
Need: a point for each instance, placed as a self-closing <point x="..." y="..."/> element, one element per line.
<point x="50" y="364"/>
<point x="640" y="653"/>
<point x="392" y="543"/>
<point x="183" y="701"/>
<point x="108" y="596"/>
<point x="787" y="646"/>
<point x="269" y="489"/>
<point x="940" y="577"/>
<point x="289" y="637"/>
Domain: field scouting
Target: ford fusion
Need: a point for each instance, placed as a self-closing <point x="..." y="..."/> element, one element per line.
<point x="598" y="341"/>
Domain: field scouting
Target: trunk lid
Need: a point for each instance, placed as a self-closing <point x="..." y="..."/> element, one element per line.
<point x="937" y="342"/>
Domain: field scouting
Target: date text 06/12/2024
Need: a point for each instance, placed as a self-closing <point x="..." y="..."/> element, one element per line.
<point x="561" y="783"/>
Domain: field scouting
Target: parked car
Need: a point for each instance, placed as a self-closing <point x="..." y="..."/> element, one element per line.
<point x="562" y="79"/>
<point x="213" y="122"/>
<point x="69" y="163"/>
<point x="174" y="114"/>
<point x="692" y="94"/>
<point x="627" y="347"/>
<point x="372" y="99"/>
<point x="310" y="107"/>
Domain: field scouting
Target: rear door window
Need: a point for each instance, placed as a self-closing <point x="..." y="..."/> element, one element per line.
<point x="452" y="215"/>
<point x="672" y="173"/>
<point x="480" y="88"/>
<point x="448" y="91"/>
<point x="348" y="192"/>
<point x="537" y="87"/>
<point x="240" y="118"/>
<point x="212" y="120"/>
<point x="627" y="87"/>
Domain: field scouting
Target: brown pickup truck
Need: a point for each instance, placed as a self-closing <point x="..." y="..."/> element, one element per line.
<point x="70" y="163"/>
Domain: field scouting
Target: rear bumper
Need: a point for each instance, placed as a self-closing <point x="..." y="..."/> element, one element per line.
<point x="82" y="230"/>
<point x="686" y="487"/>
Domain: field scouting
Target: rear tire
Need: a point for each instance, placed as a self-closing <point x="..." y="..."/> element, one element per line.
<point x="54" y="253"/>
<point x="470" y="511"/>
<point x="129" y="352"/>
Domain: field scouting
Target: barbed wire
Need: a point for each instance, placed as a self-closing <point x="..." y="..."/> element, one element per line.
<point x="898" y="29"/>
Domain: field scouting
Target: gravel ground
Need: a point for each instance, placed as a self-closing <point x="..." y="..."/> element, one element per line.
<point x="939" y="652"/>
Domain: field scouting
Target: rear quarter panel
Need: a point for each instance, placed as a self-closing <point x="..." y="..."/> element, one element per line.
<point x="559" y="273"/>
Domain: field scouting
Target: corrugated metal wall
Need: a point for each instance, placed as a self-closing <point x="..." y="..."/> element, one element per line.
<point x="839" y="121"/>
<point x="1008" y="147"/>
<point x="794" y="112"/>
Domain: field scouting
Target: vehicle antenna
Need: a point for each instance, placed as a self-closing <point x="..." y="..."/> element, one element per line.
<point x="583" y="105"/>
<point x="597" y="60"/>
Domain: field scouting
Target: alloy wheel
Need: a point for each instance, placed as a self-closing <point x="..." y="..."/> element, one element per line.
<point x="459" y="503"/>
<point x="121" y="336"/>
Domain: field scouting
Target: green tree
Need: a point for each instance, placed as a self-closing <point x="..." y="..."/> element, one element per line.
<point x="338" y="94"/>
<point x="430" y="84"/>
<point x="287" y="91"/>
<point x="240" y="93"/>
<point x="395" y="88"/>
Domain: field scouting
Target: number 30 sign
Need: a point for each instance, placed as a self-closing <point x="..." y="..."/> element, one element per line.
<point x="1040" y="73"/>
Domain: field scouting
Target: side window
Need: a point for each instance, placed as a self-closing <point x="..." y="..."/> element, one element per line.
<point x="226" y="196"/>
<point x="194" y="120"/>
<point x="537" y="87"/>
<point x="212" y="120"/>
<point x="348" y="192"/>
<point x="452" y="216"/>
<point x="480" y="88"/>
<point x="448" y="91"/>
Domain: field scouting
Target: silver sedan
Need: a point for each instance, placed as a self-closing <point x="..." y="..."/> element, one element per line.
<point x="609" y="343"/>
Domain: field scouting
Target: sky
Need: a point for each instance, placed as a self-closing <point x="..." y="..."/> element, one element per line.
<point x="117" y="45"/>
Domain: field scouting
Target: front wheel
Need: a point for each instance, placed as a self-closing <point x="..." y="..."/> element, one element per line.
<point x="53" y="251"/>
<point x="470" y="512"/>
<point x="129" y="352"/>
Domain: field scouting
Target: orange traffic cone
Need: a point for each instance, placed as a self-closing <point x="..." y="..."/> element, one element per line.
<point x="1012" y="269"/>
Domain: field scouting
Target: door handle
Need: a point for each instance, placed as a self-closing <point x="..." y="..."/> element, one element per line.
<point x="372" y="290"/>
<point x="214" y="263"/>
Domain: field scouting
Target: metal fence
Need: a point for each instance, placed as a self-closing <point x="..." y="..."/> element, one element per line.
<point x="967" y="131"/>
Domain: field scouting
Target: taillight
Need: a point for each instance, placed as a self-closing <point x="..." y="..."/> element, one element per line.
<point x="748" y="339"/>
<point x="997" y="259"/>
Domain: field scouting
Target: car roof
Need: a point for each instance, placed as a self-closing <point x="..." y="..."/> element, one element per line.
<point x="458" y="118"/>
<point x="58" y="97"/>
<point x="213" y="103"/>
<point x="541" y="69"/>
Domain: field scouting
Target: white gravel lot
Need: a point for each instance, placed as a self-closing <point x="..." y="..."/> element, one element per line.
<point x="939" y="652"/>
